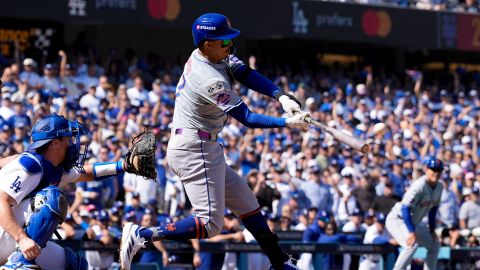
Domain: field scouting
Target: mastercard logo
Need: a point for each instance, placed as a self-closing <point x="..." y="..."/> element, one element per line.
<point x="376" y="23"/>
<point x="164" y="9"/>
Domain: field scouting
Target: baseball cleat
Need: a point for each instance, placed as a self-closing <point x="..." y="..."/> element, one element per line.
<point x="19" y="266"/>
<point x="290" y="265"/>
<point x="130" y="245"/>
<point x="16" y="261"/>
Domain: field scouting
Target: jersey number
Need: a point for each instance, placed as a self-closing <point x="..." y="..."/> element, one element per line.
<point x="16" y="184"/>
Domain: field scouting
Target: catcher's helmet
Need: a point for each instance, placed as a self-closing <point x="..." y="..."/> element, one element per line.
<point x="56" y="126"/>
<point x="435" y="164"/>
<point x="212" y="26"/>
<point x="49" y="128"/>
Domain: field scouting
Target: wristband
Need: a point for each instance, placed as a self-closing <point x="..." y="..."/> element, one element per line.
<point x="277" y="94"/>
<point x="102" y="170"/>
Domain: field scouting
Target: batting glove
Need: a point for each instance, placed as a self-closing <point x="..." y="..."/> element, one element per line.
<point x="297" y="121"/>
<point x="289" y="104"/>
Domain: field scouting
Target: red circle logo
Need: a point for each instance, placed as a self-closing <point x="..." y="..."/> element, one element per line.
<point x="164" y="9"/>
<point x="376" y="23"/>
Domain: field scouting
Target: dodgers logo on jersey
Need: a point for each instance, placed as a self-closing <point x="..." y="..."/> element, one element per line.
<point x="16" y="185"/>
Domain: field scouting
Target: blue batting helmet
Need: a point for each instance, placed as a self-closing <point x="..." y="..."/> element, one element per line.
<point x="56" y="126"/>
<point x="212" y="26"/>
<point x="435" y="164"/>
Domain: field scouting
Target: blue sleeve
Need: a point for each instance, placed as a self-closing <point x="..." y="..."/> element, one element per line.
<point x="255" y="120"/>
<point x="255" y="81"/>
<point x="329" y="239"/>
<point x="352" y="239"/>
<point x="329" y="200"/>
<point x="407" y="217"/>
<point x="380" y="240"/>
<point x="307" y="235"/>
<point x="432" y="216"/>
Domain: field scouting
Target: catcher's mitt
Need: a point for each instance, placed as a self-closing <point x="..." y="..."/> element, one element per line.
<point x="140" y="158"/>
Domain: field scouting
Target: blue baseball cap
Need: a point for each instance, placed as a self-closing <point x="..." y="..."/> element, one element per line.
<point x="356" y="212"/>
<point x="103" y="215"/>
<point x="381" y="218"/>
<point x="118" y="204"/>
<point x="435" y="164"/>
<point x="323" y="216"/>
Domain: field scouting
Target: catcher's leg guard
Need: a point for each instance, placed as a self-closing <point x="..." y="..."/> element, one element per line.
<point x="49" y="208"/>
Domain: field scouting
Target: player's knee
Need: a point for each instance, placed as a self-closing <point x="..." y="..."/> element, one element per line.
<point x="73" y="261"/>
<point x="214" y="226"/>
<point x="435" y="246"/>
<point x="412" y="248"/>
<point x="54" y="199"/>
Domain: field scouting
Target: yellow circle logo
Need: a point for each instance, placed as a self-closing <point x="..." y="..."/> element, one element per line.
<point x="376" y="23"/>
<point x="164" y="9"/>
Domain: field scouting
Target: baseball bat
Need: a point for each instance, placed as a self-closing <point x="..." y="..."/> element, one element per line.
<point x="340" y="136"/>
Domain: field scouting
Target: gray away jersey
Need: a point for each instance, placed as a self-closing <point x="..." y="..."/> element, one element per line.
<point x="204" y="94"/>
<point x="420" y="197"/>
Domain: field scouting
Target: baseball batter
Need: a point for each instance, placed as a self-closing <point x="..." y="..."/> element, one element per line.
<point x="204" y="100"/>
<point x="403" y="221"/>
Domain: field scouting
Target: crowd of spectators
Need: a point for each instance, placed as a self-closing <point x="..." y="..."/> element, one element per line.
<point x="304" y="180"/>
<point x="468" y="6"/>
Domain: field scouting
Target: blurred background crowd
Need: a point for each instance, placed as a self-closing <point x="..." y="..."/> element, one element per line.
<point x="469" y="6"/>
<point x="304" y="181"/>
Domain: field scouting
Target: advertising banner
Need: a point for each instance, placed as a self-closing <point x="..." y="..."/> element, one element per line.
<point x="22" y="35"/>
<point x="268" y="19"/>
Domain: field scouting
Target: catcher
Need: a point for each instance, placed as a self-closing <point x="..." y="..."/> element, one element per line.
<point x="32" y="202"/>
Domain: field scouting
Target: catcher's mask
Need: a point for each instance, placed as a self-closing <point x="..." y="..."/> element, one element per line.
<point x="55" y="126"/>
<point x="76" y="151"/>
